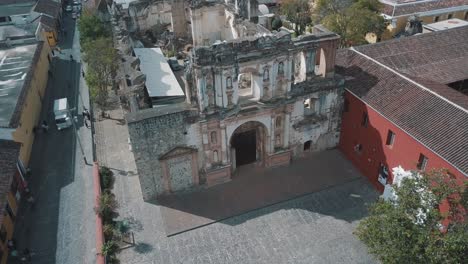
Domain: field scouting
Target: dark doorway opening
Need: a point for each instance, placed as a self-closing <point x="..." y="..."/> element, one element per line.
<point x="245" y="144"/>
<point x="307" y="145"/>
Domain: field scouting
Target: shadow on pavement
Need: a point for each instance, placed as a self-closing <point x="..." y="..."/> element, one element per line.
<point x="258" y="188"/>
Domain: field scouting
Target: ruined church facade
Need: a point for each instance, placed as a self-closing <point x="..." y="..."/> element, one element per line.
<point x="253" y="98"/>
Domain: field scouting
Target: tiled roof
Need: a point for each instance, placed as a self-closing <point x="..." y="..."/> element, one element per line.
<point x="440" y="56"/>
<point x="430" y="112"/>
<point x="9" y="151"/>
<point x="401" y="8"/>
<point x="48" y="7"/>
<point x="48" y="22"/>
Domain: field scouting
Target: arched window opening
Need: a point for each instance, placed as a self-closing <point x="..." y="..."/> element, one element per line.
<point x="266" y="75"/>
<point x="214" y="138"/>
<point x="307" y="145"/>
<point x="280" y="69"/>
<point x="229" y="82"/>
<point x="278" y="121"/>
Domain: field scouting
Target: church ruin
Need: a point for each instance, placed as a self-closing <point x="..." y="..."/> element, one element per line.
<point x="252" y="97"/>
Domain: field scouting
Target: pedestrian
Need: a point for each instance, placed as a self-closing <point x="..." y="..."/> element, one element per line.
<point x="53" y="54"/>
<point x="44" y="126"/>
<point x="71" y="57"/>
<point x="82" y="73"/>
<point x="29" y="196"/>
<point x="86" y="114"/>
<point x="11" y="244"/>
<point x="86" y="123"/>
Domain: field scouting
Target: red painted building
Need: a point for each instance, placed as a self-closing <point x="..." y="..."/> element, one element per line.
<point x="400" y="109"/>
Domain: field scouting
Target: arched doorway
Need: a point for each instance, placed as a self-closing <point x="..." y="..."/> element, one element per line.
<point x="248" y="144"/>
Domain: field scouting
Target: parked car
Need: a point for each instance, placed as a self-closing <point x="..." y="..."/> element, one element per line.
<point x="69" y="8"/>
<point x="174" y="64"/>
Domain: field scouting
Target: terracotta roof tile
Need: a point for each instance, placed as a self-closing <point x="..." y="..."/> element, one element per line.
<point x="9" y="151"/>
<point x="439" y="121"/>
<point x="440" y="56"/>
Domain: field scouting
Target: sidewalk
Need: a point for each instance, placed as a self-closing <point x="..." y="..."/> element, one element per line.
<point x="60" y="227"/>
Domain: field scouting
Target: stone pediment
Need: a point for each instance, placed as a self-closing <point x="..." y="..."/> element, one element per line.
<point x="177" y="151"/>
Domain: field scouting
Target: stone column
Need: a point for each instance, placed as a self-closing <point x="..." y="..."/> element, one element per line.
<point x="224" y="144"/>
<point x="272" y="134"/>
<point x="287" y="117"/>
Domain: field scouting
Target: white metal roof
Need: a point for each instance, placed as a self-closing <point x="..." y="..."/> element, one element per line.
<point x="446" y="24"/>
<point x="160" y="80"/>
<point x="60" y="104"/>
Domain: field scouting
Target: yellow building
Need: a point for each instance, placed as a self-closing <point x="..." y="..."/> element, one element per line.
<point x="397" y="12"/>
<point x="24" y="75"/>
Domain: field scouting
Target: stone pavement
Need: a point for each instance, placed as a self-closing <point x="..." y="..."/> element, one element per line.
<point x="254" y="188"/>
<point x="60" y="227"/>
<point x="315" y="228"/>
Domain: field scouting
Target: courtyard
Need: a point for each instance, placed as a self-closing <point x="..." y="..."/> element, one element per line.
<point x="314" y="227"/>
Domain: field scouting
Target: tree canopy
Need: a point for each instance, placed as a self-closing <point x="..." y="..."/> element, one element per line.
<point x="100" y="56"/>
<point x="417" y="227"/>
<point x="297" y="12"/>
<point x="351" y="19"/>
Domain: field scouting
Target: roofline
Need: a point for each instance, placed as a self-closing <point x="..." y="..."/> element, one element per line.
<point x="429" y="12"/>
<point x="409" y="80"/>
<point x="406" y="132"/>
<point x="421" y="86"/>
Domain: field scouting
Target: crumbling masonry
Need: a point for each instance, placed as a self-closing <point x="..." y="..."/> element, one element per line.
<point x="252" y="97"/>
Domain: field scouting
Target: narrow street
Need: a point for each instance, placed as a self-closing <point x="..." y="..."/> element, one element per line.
<point x="60" y="227"/>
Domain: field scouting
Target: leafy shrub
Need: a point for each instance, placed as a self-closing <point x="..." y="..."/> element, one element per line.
<point x="107" y="206"/>
<point x="109" y="248"/>
<point x="276" y="23"/>
<point x="107" y="178"/>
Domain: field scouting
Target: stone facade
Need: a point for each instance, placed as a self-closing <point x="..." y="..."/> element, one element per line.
<point x="252" y="97"/>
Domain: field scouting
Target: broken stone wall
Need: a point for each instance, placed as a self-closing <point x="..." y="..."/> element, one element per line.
<point x="153" y="137"/>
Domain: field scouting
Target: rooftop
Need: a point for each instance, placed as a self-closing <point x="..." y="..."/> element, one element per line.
<point x="443" y="25"/>
<point x="14" y="67"/>
<point x="399" y="80"/>
<point x="440" y="56"/>
<point x="48" y="7"/>
<point x="15" y="7"/>
<point x="160" y="80"/>
<point x="9" y="151"/>
<point x="395" y="8"/>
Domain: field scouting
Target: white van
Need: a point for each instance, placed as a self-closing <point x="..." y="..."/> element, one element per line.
<point x="62" y="113"/>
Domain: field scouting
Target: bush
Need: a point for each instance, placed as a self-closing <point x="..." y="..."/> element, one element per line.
<point x="107" y="178"/>
<point x="107" y="206"/>
<point x="170" y="53"/>
<point x="109" y="248"/>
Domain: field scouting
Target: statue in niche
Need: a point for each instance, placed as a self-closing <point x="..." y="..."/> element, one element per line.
<point x="210" y="95"/>
<point x="297" y="64"/>
<point x="214" y="137"/>
<point x="229" y="83"/>
<point x="281" y="69"/>
<point x="266" y="75"/>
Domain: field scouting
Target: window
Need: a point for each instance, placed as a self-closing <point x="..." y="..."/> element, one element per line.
<point x="365" y="120"/>
<point x="346" y="105"/>
<point x="466" y="16"/>
<point x="309" y="106"/>
<point x="278" y="122"/>
<point x="214" y="138"/>
<point x="3" y="234"/>
<point x="449" y="16"/>
<point x="436" y="19"/>
<point x="390" y="138"/>
<point x="358" y="148"/>
<point x="280" y="69"/>
<point x="422" y="162"/>
<point x="229" y="82"/>
<point x="383" y="174"/>
<point x="266" y="75"/>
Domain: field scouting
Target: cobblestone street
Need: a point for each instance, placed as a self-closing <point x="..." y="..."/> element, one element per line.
<point x="316" y="228"/>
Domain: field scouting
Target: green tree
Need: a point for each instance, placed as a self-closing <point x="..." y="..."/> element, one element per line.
<point x="414" y="227"/>
<point x="297" y="12"/>
<point x="102" y="60"/>
<point x="91" y="28"/>
<point x="351" y="19"/>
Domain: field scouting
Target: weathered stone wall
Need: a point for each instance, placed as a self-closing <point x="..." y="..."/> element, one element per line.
<point x="153" y="137"/>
